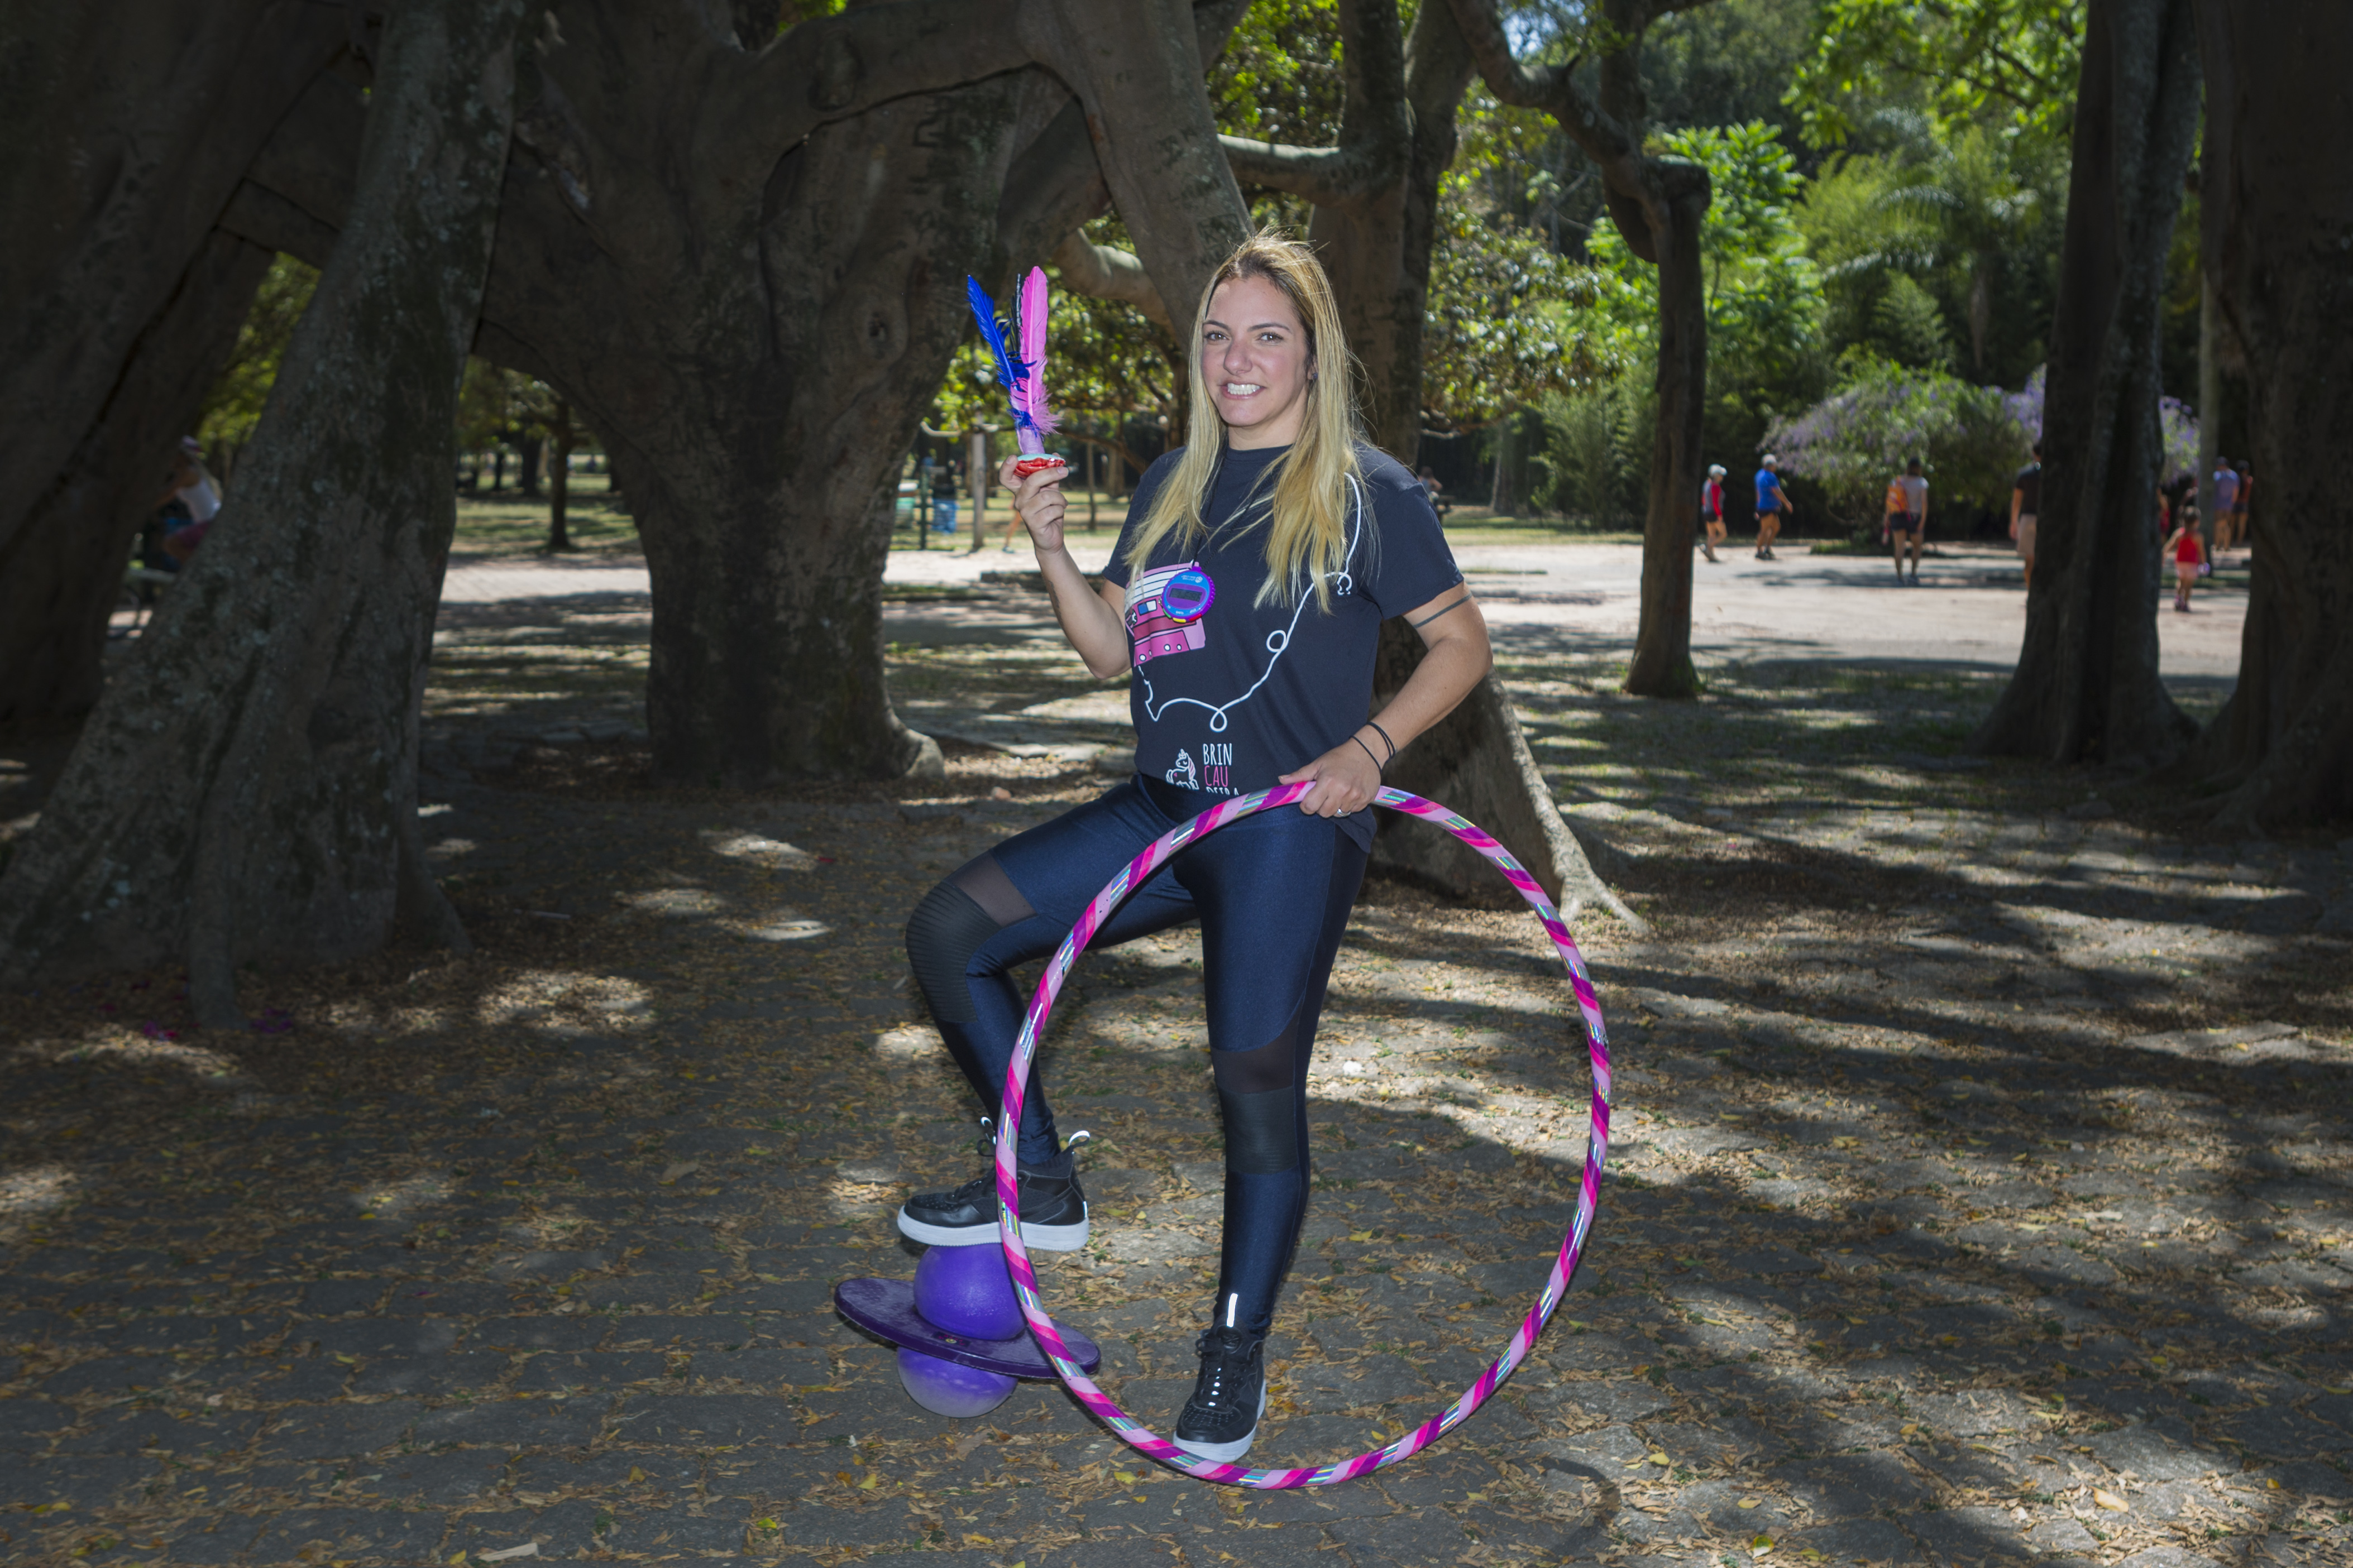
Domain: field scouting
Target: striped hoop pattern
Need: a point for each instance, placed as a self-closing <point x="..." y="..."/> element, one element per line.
<point x="1017" y="1078"/>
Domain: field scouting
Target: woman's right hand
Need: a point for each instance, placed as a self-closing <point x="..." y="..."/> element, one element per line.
<point x="1039" y="500"/>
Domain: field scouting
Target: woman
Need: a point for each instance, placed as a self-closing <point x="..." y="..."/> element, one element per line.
<point x="192" y="486"/>
<point x="1710" y="511"/>
<point x="1245" y="598"/>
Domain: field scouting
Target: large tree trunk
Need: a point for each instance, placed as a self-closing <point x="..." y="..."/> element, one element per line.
<point x="1376" y="198"/>
<point x="249" y="790"/>
<point x="1662" y="665"/>
<point x="2276" y="199"/>
<point x="2087" y="686"/>
<point x="757" y="370"/>
<point x="1658" y="205"/>
<point x="744" y="271"/>
<point x="127" y="127"/>
<point x="61" y="570"/>
<point x="560" y="435"/>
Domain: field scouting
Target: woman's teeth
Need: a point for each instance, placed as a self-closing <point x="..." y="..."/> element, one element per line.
<point x="1243" y="388"/>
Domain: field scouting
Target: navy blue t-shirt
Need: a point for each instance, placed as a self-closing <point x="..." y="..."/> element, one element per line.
<point x="1229" y="694"/>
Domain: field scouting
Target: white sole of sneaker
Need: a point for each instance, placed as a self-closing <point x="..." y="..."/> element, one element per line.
<point x="1036" y="1238"/>
<point x="1226" y="1453"/>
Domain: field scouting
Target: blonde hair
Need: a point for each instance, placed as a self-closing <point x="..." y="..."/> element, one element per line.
<point x="1307" y="540"/>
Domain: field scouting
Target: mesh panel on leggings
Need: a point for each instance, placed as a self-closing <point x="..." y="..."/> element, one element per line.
<point x="946" y="929"/>
<point x="1257" y="1093"/>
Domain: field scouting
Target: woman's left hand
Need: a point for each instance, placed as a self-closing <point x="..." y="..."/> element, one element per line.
<point x="1346" y="781"/>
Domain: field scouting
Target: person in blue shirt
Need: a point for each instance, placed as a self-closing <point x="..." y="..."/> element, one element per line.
<point x="1771" y="503"/>
<point x="1244" y="600"/>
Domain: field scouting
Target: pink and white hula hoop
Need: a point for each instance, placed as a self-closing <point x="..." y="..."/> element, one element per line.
<point x="1017" y="1078"/>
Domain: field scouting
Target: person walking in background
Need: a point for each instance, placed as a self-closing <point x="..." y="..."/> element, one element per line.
<point x="1910" y="525"/>
<point x="2025" y="506"/>
<point x="944" y="497"/>
<point x="1771" y="503"/>
<point x="1710" y="511"/>
<point x="2226" y="501"/>
<point x="2189" y="552"/>
<point x="2237" y="524"/>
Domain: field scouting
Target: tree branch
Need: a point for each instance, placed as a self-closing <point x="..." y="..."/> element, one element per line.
<point x="836" y="67"/>
<point x="1327" y="176"/>
<point x="1548" y="89"/>
<point x="1054" y="184"/>
<point x="1108" y="274"/>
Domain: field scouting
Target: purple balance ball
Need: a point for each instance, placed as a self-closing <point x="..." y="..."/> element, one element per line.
<point x="945" y="1388"/>
<point x="965" y="1290"/>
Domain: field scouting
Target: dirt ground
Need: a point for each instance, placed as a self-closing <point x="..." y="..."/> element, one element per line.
<point x="1980" y="1186"/>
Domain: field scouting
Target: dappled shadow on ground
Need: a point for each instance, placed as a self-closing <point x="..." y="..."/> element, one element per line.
<point x="1977" y="1162"/>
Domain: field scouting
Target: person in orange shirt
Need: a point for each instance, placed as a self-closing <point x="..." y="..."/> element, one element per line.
<point x="1908" y="522"/>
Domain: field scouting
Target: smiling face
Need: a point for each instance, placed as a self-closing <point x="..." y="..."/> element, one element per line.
<point x="1255" y="360"/>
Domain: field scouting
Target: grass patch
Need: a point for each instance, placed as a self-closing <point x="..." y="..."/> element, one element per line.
<point x="508" y="523"/>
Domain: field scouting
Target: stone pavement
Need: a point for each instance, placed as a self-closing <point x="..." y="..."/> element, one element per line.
<point x="1981" y="1192"/>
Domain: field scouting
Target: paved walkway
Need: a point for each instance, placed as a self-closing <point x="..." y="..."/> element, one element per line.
<point x="1970" y="609"/>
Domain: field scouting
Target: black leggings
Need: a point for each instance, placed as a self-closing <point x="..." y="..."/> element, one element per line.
<point x="1272" y="893"/>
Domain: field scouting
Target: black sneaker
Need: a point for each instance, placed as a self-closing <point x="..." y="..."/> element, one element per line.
<point x="1220" y="1421"/>
<point x="1054" y="1210"/>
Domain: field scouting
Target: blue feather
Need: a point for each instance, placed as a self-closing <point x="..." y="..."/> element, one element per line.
<point x="983" y="312"/>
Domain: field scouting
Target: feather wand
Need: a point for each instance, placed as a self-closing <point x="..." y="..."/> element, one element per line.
<point x="1024" y="378"/>
<point x="1029" y="402"/>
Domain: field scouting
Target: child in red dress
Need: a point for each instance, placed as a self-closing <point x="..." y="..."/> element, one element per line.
<point x="2189" y="552"/>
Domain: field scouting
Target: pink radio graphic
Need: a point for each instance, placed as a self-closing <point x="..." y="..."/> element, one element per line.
<point x="1164" y="607"/>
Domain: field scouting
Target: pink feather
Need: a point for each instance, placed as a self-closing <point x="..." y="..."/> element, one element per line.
<point x="1031" y="395"/>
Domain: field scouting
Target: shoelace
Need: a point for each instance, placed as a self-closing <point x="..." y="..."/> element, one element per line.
<point x="1232" y="1357"/>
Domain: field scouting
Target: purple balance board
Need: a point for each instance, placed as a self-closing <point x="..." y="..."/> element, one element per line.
<point x="886" y="1308"/>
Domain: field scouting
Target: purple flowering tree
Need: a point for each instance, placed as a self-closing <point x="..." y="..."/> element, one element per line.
<point x="1969" y="439"/>
<point x="2176" y="427"/>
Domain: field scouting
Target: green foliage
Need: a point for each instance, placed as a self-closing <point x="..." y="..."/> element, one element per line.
<point x="2012" y="63"/>
<point x="1514" y="163"/>
<point x="1968" y="224"/>
<point x="1764" y="293"/>
<point x="1596" y="462"/>
<point x="1510" y="318"/>
<point x="232" y="406"/>
<point x="1906" y="322"/>
<point x="499" y="407"/>
<point x="1279" y="80"/>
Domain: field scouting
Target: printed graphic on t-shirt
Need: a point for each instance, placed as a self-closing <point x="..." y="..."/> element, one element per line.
<point x="1165" y="606"/>
<point x="1215" y="774"/>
